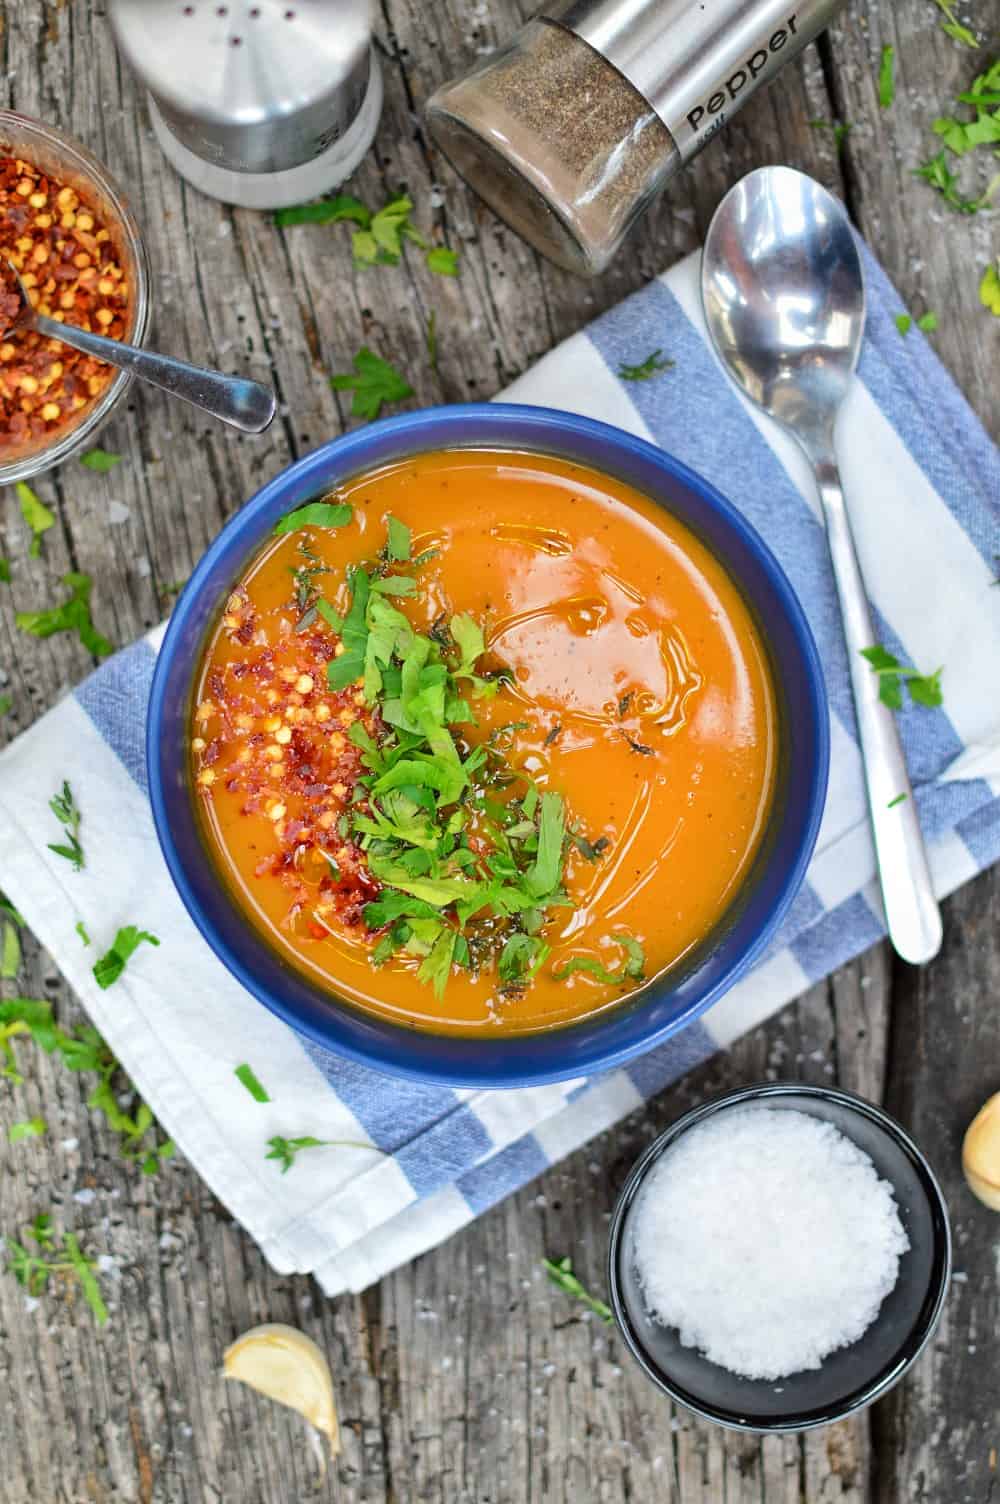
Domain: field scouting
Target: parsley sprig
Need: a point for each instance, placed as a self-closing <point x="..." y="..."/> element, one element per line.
<point x="925" y="689"/>
<point x="67" y="812"/>
<point x="34" y="1270"/>
<point x="85" y="1050"/>
<point x="36" y="515"/>
<point x="111" y="965"/>
<point x="960" y="137"/>
<point x="560" y="1272"/>
<point x="646" y="369"/>
<point x="379" y="235"/>
<point x="374" y="381"/>
<point x="72" y="616"/>
<point x="284" y="1150"/>
<point x="953" y="28"/>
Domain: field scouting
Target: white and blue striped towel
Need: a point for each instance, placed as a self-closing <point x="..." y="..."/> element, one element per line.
<point x="924" y="483"/>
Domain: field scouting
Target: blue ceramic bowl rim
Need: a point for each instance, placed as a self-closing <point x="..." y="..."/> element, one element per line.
<point x="604" y="1040"/>
<point x="923" y="1329"/>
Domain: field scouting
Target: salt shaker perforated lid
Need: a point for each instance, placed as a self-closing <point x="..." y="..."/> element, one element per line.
<point x="259" y="102"/>
<point x="571" y="130"/>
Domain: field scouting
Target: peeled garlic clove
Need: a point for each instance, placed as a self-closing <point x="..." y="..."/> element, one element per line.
<point x="287" y="1366"/>
<point x="981" y="1153"/>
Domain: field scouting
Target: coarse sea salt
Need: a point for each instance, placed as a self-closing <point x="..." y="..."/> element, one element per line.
<point x="767" y="1239"/>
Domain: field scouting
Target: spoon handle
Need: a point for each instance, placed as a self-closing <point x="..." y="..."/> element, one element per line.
<point x="245" y="404"/>
<point x="912" y="914"/>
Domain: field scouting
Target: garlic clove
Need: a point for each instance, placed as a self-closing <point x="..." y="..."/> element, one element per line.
<point x="981" y="1153"/>
<point x="287" y="1366"/>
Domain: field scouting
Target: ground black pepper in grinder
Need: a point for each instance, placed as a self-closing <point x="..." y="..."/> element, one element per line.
<point x="570" y="130"/>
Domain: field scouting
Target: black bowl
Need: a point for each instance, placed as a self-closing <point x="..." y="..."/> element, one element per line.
<point x="850" y="1378"/>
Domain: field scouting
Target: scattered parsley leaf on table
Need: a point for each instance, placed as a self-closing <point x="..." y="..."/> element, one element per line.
<point x="646" y="368"/>
<point x="925" y="689"/>
<point x="111" y="965"/>
<point x="560" y="1272"/>
<point x="10" y="952"/>
<point x="6" y="704"/>
<point x="316" y="514"/>
<point x="33" y="1128"/>
<point x="246" y="1077"/>
<point x="633" y="969"/>
<point x="899" y="799"/>
<point x="940" y="176"/>
<point x="954" y="28"/>
<point x="81" y="930"/>
<point x="375" y="381"/>
<point x="72" y="616"/>
<point x="4" y="572"/>
<point x="927" y="322"/>
<point x="839" y="128"/>
<point x="904" y="323"/>
<point x="989" y="289"/>
<point x="36" y="515"/>
<point x="34" y="1270"/>
<point x="100" y="460"/>
<point x="328" y="211"/>
<point x="442" y="261"/>
<point x="886" y="78"/>
<point x="67" y="812"/>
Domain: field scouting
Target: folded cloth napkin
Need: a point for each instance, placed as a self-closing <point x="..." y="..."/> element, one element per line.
<point x="923" y="481"/>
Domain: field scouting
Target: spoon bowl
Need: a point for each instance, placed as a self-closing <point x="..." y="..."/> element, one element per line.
<point x="784" y="295"/>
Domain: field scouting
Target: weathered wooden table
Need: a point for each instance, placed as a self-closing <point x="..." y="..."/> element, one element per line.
<point x="464" y="1377"/>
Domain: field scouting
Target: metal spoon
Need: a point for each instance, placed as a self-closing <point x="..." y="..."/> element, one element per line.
<point x="245" y="404"/>
<point x="784" y="296"/>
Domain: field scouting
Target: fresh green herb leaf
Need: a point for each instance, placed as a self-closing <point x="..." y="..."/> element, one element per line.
<point x="435" y="968"/>
<point x="329" y="615"/>
<point x="543" y="876"/>
<point x="560" y="1272"/>
<point x="111" y="965"/>
<point x="37" y="516"/>
<point x="100" y="460"/>
<point x="6" y="907"/>
<point x="940" y="176"/>
<point x="284" y="1150"/>
<point x="398" y="540"/>
<point x="927" y="322"/>
<point x="646" y="369"/>
<point x="925" y="689"/>
<point x="34" y="1271"/>
<point x="904" y="322"/>
<point x="84" y="1271"/>
<point x="633" y="968"/>
<point x="989" y="289"/>
<point x="245" y="1075"/>
<point x="6" y="703"/>
<point x="886" y="78"/>
<point x="954" y="28"/>
<point x="840" y="130"/>
<point x="899" y="799"/>
<point x="67" y="812"/>
<point x="522" y="958"/>
<point x="4" y="572"/>
<point x="10" y="954"/>
<point x="380" y="242"/>
<point x="72" y="616"/>
<point x="374" y="382"/>
<point x="316" y="514"/>
<point x="592" y="850"/>
<point x="33" y="1128"/>
<point x="328" y="211"/>
<point x="442" y="261"/>
<point x="81" y="930"/>
<point x="354" y="635"/>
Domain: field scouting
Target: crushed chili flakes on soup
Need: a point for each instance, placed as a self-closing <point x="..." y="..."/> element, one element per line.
<point x="484" y="740"/>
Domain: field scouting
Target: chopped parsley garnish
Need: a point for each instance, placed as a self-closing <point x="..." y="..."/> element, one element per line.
<point x="244" y="1074"/>
<point x="67" y="812"/>
<point x="398" y="540"/>
<point x="927" y="322"/>
<point x="72" y="616"/>
<point x="899" y="799"/>
<point x="953" y="28"/>
<point x="646" y="369"/>
<point x="316" y="514"/>
<point x="378" y="239"/>
<point x="100" y="460"/>
<point x="284" y="1150"/>
<point x="560" y="1272"/>
<point x="961" y="136"/>
<point x="81" y="930"/>
<point x="886" y="78"/>
<point x="840" y="129"/>
<point x="633" y="968"/>
<point x="85" y="1051"/>
<point x="925" y="689"/>
<point x="36" y="515"/>
<point x="34" y="1270"/>
<point x="989" y="289"/>
<point x="375" y="381"/>
<point x="32" y="1128"/>
<point x="111" y="965"/>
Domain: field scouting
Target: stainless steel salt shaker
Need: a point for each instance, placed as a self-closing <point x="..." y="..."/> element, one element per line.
<point x="262" y="103"/>
<point x="571" y="130"/>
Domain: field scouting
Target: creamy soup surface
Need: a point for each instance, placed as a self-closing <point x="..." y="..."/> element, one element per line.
<point x="484" y="742"/>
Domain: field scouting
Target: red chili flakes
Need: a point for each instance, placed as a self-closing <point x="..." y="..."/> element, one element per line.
<point x="67" y="259"/>
<point x="269" y="731"/>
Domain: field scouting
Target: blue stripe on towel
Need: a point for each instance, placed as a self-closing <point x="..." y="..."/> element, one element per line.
<point x="842" y="933"/>
<point x="504" y="1173"/>
<point x="445" y="1151"/>
<point x="115" y="697"/>
<point x="671" y="1060"/>
<point x="391" y="1110"/>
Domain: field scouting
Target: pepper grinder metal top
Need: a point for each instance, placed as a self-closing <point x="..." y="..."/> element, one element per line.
<point x="261" y="103"/>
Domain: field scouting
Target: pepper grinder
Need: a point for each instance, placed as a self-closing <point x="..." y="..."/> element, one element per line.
<point x="261" y="103"/>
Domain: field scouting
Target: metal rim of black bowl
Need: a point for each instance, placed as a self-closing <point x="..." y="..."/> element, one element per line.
<point x="910" y="1346"/>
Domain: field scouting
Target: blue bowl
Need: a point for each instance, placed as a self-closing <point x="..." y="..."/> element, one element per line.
<point x="660" y="1009"/>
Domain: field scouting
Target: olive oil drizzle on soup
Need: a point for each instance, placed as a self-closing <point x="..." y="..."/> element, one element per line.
<point x="607" y="801"/>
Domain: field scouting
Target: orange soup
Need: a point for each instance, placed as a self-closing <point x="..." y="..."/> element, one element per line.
<point x="484" y="740"/>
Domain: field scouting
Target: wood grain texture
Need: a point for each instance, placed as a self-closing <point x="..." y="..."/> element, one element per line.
<point x="463" y="1378"/>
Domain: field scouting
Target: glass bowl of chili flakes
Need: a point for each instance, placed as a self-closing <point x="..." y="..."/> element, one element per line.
<point x="66" y="226"/>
